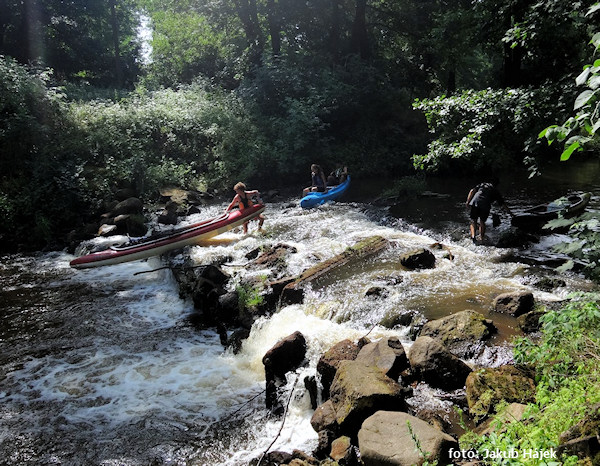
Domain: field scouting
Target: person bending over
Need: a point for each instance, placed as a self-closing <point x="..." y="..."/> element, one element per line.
<point x="480" y="200"/>
<point x="243" y="200"/>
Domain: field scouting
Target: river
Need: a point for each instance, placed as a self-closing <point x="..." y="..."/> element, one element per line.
<point x="104" y="367"/>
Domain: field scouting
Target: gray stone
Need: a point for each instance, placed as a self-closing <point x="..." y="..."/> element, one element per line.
<point x="436" y="365"/>
<point x="387" y="354"/>
<point x="515" y="304"/>
<point x="418" y="259"/>
<point x="460" y="332"/>
<point x="358" y="391"/>
<point x="385" y="439"/>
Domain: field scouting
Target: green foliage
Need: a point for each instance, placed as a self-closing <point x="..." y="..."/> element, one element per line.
<point x="249" y="296"/>
<point x="565" y="346"/>
<point x="568" y="383"/>
<point x="78" y="39"/>
<point x="584" y="242"/>
<point x="486" y="129"/>
<point x="580" y="130"/>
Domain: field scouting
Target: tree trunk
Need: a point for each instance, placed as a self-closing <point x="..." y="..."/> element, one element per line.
<point x="512" y="66"/>
<point x="248" y="15"/>
<point x="115" y="36"/>
<point x="360" y="42"/>
<point x="293" y="291"/>
<point x="273" y="18"/>
<point x="334" y="31"/>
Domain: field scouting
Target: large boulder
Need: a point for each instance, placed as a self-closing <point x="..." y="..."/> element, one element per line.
<point x="583" y="439"/>
<point x="131" y="205"/>
<point x="394" y="438"/>
<point x="387" y="354"/>
<point x="285" y="356"/>
<point x="462" y="332"/>
<point x="358" y="391"/>
<point x="487" y="387"/>
<point x="530" y="322"/>
<point x="418" y="259"/>
<point x="345" y="350"/>
<point x="324" y="417"/>
<point x="437" y="366"/>
<point x="515" y="304"/>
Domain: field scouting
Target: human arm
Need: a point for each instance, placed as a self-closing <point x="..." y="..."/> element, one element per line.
<point x="236" y="199"/>
<point x="470" y="196"/>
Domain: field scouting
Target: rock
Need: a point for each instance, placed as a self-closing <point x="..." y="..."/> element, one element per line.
<point x="513" y="413"/>
<point x="131" y="205"/>
<point x="324" y="417"/>
<point x="358" y="391"/>
<point x="460" y="332"/>
<point x="205" y="296"/>
<point x="237" y="338"/>
<point x="431" y="361"/>
<point x="123" y="194"/>
<point x="589" y="425"/>
<point x="286" y="355"/>
<point x="515" y="238"/>
<point x="214" y="274"/>
<point x="377" y="292"/>
<point x="549" y="283"/>
<point x="326" y="438"/>
<point x="330" y="361"/>
<point x="107" y="230"/>
<point x="587" y="449"/>
<point x="530" y="322"/>
<point x="310" y="383"/>
<point x="515" y="304"/>
<point x="229" y="307"/>
<point x="273" y="458"/>
<point x="385" y="439"/>
<point x="168" y="218"/>
<point x="343" y="452"/>
<point x="418" y="259"/>
<point x="136" y="225"/>
<point x="387" y="354"/>
<point x="487" y="387"/>
<point x="193" y="209"/>
<point x="365" y="248"/>
<point x="275" y="256"/>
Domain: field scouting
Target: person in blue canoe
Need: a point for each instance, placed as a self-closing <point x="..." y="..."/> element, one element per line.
<point x="337" y="176"/>
<point x="480" y="200"/>
<point x="318" y="181"/>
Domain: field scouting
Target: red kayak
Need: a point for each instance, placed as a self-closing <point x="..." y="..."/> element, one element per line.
<point x="156" y="245"/>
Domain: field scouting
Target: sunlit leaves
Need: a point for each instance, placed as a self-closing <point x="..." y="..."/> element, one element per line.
<point x="585" y="124"/>
<point x="483" y="128"/>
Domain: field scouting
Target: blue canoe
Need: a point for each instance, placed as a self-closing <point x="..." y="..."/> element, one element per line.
<point x="314" y="199"/>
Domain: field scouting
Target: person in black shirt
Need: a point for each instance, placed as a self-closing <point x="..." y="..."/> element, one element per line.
<point x="318" y="181"/>
<point x="243" y="200"/>
<point x="480" y="201"/>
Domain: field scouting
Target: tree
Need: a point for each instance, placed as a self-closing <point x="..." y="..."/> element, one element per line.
<point x="76" y="38"/>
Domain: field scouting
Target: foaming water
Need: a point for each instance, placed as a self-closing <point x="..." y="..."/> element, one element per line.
<point x="100" y="366"/>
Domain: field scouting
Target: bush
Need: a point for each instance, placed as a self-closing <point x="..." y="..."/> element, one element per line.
<point x="568" y="383"/>
<point x="489" y="129"/>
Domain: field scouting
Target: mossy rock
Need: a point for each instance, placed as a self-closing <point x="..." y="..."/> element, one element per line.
<point x="487" y="387"/>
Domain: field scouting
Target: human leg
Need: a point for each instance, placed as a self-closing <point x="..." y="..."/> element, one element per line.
<point x="245" y="227"/>
<point x="261" y="220"/>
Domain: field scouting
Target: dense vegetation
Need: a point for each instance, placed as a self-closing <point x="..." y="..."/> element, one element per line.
<point x="259" y="89"/>
<point x="568" y="385"/>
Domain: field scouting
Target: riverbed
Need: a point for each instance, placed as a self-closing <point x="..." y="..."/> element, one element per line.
<point x="104" y="366"/>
